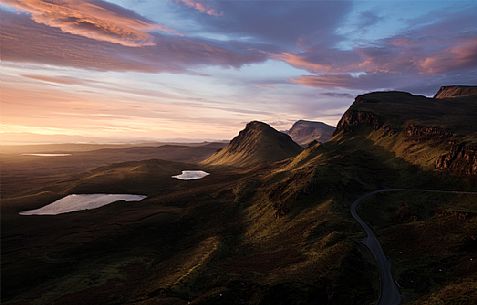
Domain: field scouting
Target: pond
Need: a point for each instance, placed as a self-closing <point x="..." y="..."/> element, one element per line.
<point x="191" y="175"/>
<point x="79" y="202"/>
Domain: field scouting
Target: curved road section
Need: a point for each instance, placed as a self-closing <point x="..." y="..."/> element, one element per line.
<point x="389" y="294"/>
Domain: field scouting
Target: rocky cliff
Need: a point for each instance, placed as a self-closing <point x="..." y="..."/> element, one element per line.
<point x="455" y="91"/>
<point x="438" y="133"/>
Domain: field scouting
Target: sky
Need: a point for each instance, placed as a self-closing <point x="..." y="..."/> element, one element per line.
<point x="193" y="70"/>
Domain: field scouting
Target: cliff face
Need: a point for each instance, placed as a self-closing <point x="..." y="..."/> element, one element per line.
<point x="455" y="91"/>
<point x="429" y="132"/>
<point x="354" y="119"/>
<point x="461" y="159"/>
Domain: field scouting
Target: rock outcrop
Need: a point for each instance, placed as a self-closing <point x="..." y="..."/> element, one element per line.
<point x="455" y="91"/>
<point x="427" y="132"/>
<point x="355" y="119"/>
<point x="461" y="159"/>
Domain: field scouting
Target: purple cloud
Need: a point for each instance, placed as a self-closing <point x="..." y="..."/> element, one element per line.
<point x="24" y="40"/>
<point x="284" y="23"/>
<point x="94" y="19"/>
<point x="444" y="51"/>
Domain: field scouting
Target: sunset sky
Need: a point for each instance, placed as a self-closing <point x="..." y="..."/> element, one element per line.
<point x="131" y="70"/>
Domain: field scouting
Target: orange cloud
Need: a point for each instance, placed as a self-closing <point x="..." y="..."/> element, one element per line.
<point x="302" y="63"/>
<point x="201" y="7"/>
<point x="94" y="19"/>
<point x="23" y="40"/>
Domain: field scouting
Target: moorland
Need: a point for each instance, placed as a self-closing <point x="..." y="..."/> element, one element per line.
<point x="271" y="224"/>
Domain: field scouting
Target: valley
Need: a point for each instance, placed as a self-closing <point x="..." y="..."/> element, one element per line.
<point x="268" y="222"/>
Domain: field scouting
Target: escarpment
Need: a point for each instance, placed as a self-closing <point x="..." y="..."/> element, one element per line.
<point x="455" y="91"/>
<point x="434" y="133"/>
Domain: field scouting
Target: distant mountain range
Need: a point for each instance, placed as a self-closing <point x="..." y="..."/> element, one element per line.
<point x="432" y="133"/>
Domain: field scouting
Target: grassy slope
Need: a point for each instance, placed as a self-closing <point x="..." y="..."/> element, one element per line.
<point x="281" y="235"/>
<point x="431" y="239"/>
<point x="340" y="170"/>
<point x="256" y="145"/>
<point x="400" y="110"/>
<point x="211" y="241"/>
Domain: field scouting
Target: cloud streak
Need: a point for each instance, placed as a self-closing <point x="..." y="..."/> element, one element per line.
<point x="411" y="59"/>
<point x="57" y="79"/>
<point x="94" y="19"/>
<point x="200" y="7"/>
<point x="23" y="40"/>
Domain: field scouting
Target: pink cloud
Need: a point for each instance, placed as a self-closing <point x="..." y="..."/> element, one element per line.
<point x="302" y="62"/>
<point x="407" y="62"/>
<point x="57" y="79"/>
<point x="327" y="80"/>
<point x="432" y="50"/>
<point x="23" y="40"/>
<point x="460" y="56"/>
<point x="201" y="7"/>
<point x="94" y="19"/>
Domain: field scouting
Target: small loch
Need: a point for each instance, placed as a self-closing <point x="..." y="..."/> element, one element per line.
<point x="80" y="202"/>
<point x="191" y="175"/>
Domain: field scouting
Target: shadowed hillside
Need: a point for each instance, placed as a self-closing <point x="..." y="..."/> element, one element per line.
<point x="273" y="235"/>
<point x="433" y="133"/>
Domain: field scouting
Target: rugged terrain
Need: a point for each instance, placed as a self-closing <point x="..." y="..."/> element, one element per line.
<point x="433" y="133"/>
<point x="456" y="91"/>
<point x="304" y="132"/>
<point x="281" y="233"/>
<point x="430" y="238"/>
<point x="257" y="144"/>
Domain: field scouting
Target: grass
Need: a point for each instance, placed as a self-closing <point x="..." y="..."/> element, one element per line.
<point x="430" y="239"/>
<point x="281" y="234"/>
<point x="202" y="241"/>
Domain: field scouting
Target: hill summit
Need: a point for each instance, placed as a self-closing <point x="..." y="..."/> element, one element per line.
<point x="257" y="144"/>
<point x="303" y="132"/>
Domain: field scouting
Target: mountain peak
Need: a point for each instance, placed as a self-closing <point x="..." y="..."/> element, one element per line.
<point x="257" y="124"/>
<point x="258" y="143"/>
<point x="303" y="132"/>
<point x="308" y="122"/>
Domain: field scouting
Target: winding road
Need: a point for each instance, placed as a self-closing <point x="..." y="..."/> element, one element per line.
<point x="389" y="292"/>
